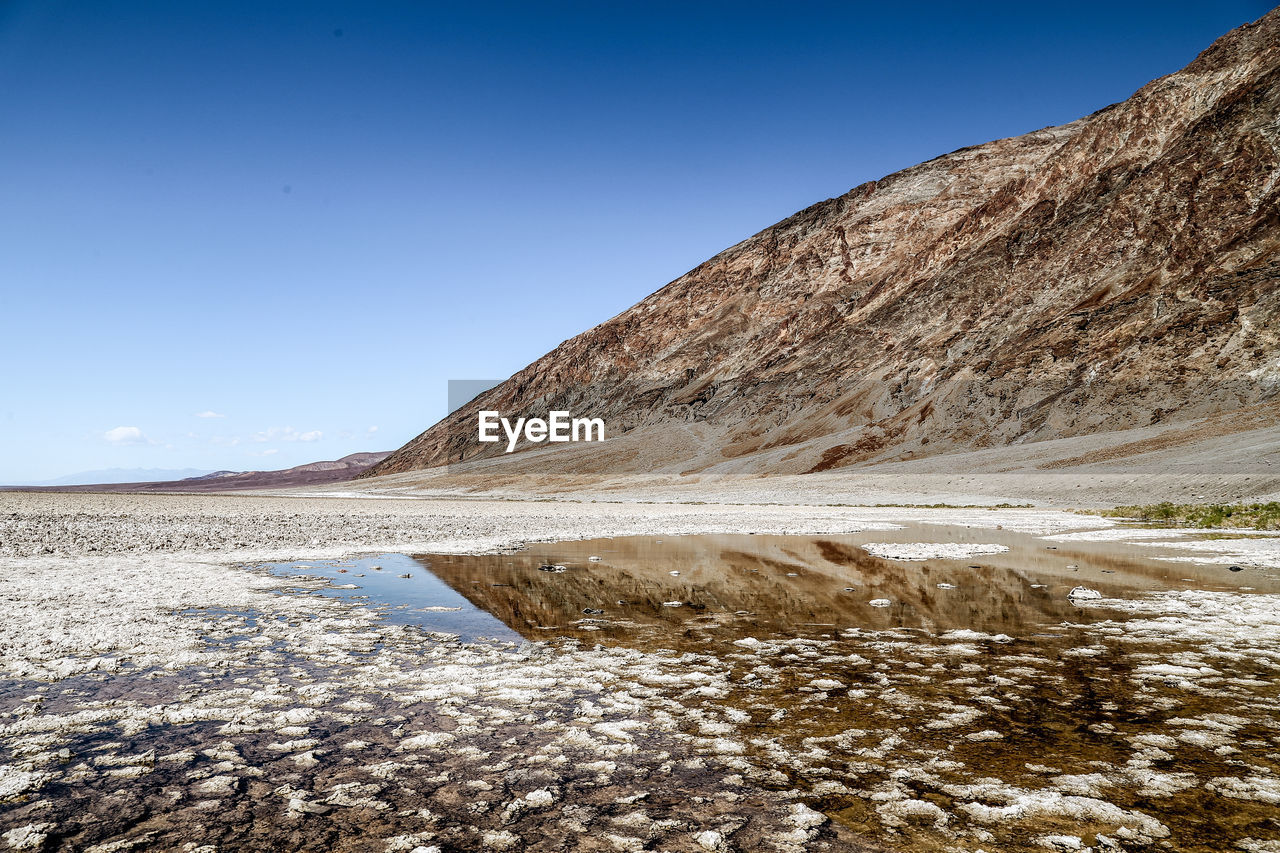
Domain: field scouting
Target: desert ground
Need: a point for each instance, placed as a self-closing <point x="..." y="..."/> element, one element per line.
<point x="1223" y="459"/>
<point x="164" y="689"/>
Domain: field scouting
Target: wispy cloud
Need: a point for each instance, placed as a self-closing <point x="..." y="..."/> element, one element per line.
<point x="209" y="414"/>
<point x="125" y="435"/>
<point x="287" y="434"/>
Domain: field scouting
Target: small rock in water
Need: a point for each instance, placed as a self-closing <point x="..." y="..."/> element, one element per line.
<point x="376" y="568"/>
<point x="1082" y="593"/>
<point x="342" y="571"/>
<point x="879" y="602"/>
<point x="406" y="575"/>
<point x="946" y="586"/>
<point x="593" y="559"/>
<point x="553" y="569"/>
<point x="673" y="604"/>
<point x="848" y="589"/>
<point x="1235" y="568"/>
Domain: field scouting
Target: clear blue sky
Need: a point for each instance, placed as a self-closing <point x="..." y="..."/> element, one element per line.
<point x="306" y="217"/>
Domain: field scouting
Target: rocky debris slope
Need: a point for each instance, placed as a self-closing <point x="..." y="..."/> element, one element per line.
<point x="1111" y="273"/>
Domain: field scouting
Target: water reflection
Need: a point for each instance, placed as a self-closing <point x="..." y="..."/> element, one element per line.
<point x="404" y="590"/>
<point x="791" y="586"/>
<point x="981" y="707"/>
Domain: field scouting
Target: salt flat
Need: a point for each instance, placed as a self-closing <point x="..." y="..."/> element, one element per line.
<point x="158" y="693"/>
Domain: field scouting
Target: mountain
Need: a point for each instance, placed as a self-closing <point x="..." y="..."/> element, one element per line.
<point x="311" y="474"/>
<point x="1114" y="273"/>
<point x="122" y="475"/>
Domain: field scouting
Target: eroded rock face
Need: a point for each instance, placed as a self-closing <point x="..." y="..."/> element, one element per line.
<point x="1106" y="274"/>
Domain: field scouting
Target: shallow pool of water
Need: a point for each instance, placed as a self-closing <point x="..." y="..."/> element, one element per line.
<point x="642" y="591"/>
<point x="404" y="590"/>
<point x="923" y="702"/>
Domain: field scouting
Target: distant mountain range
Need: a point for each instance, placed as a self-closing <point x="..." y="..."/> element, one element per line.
<point x="155" y="480"/>
<point x="123" y="475"/>
<point x="1109" y="274"/>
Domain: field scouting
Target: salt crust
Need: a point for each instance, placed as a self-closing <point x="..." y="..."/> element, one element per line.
<point x="1260" y="552"/>
<point x="916" y="551"/>
<point x="1258" y="547"/>
<point x="174" y="613"/>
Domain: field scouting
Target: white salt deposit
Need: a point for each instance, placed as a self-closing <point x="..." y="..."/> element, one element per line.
<point x="1119" y="534"/>
<point x="334" y="666"/>
<point x="903" y="812"/>
<point x="1263" y="552"/>
<point x="917" y="551"/>
<point x="14" y="781"/>
<point x="709" y="840"/>
<point x="29" y="837"/>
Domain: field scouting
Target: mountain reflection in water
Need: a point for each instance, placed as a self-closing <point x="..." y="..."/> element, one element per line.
<point x="979" y="703"/>
<point x="735" y="586"/>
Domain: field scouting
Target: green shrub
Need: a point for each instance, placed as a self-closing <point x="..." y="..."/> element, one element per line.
<point x="1258" y="516"/>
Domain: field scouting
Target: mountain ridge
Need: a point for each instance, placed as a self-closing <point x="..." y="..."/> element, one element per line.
<point x="1108" y="273"/>
<point x="121" y="475"/>
<point x="308" y="474"/>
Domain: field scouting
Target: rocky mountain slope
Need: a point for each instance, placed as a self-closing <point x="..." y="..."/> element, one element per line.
<point x="1113" y="273"/>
